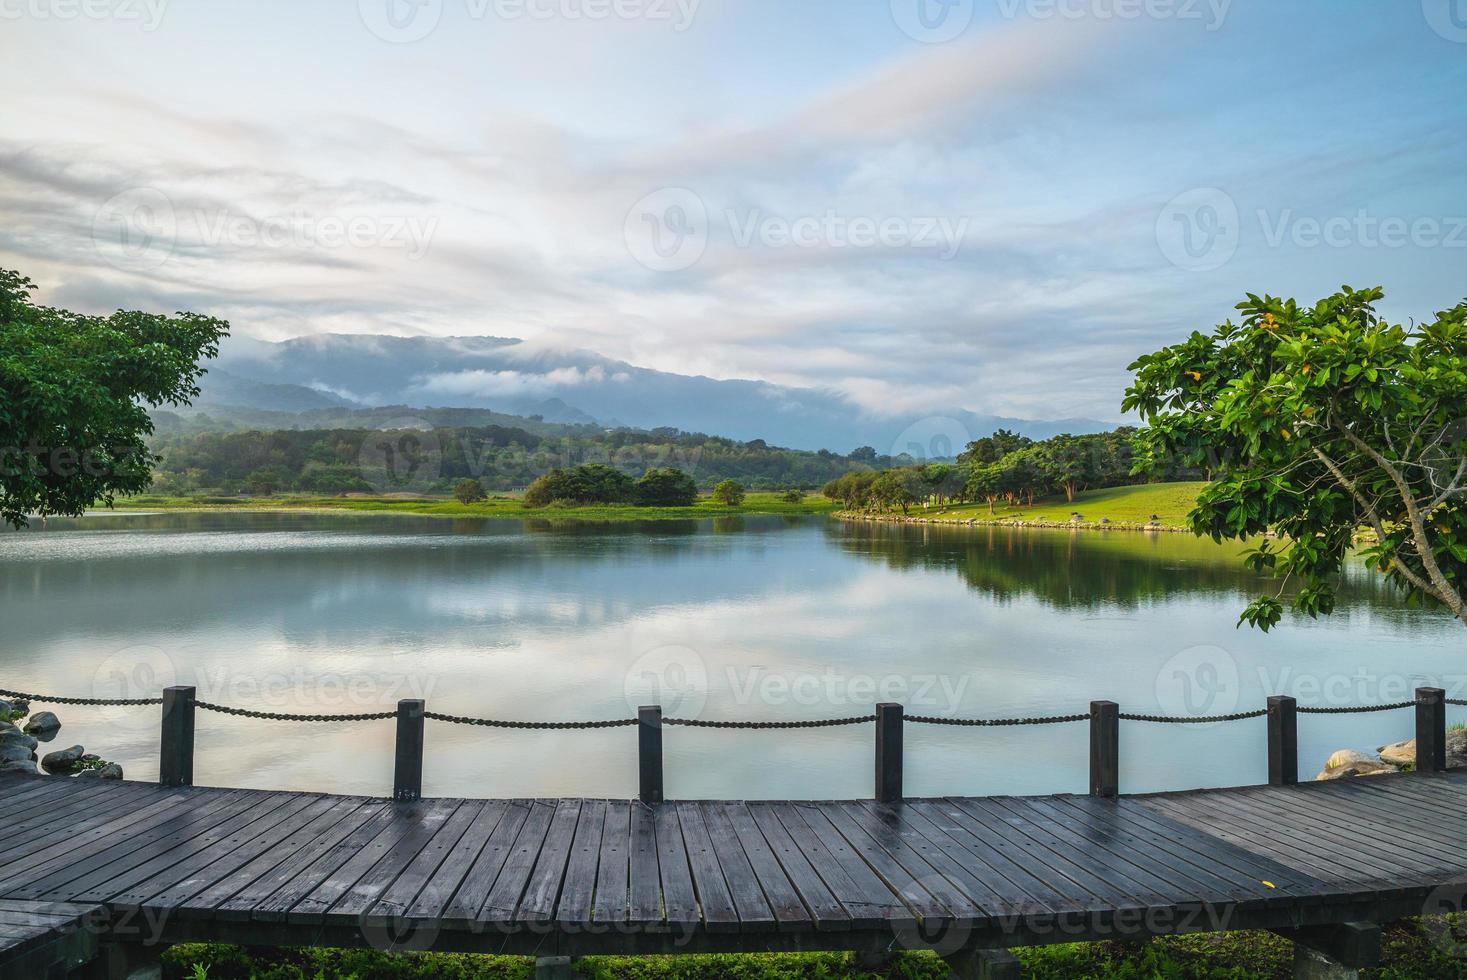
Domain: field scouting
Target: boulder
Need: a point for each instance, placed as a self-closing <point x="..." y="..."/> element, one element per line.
<point x="1404" y="753"/>
<point x="1346" y="756"/>
<point x="15" y="752"/>
<point x="27" y="766"/>
<point x="110" y="771"/>
<point x="62" y="760"/>
<point x="1362" y="768"/>
<point x="15" y="737"/>
<point x="43" y="724"/>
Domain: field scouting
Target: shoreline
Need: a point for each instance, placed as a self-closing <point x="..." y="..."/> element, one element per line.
<point x="974" y="522"/>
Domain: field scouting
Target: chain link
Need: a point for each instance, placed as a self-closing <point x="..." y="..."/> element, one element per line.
<point x="285" y="716"/>
<point x="824" y="723"/>
<point x="1195" y="719"/>
<point x="97" y="701"/>
<point x="1359" y="710"/>
<point x="562" y="725"/>
<point x="996" y="722"/>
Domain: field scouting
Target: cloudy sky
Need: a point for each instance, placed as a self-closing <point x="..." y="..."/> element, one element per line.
<point x="994" y="204"/>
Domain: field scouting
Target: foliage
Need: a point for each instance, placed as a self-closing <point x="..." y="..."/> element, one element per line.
<point x="500" y="457"/>
<point x="592" y="483"/>
<point x="794" y="495"/>
<point x="1316" y="421"/>
<point x="730" y="492"/>
<point x="469" y="492"/>
<point x="666" y="488"/>
<point x="72" y="395"/>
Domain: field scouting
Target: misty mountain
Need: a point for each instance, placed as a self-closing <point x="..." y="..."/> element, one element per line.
<point x="516" y="378"/>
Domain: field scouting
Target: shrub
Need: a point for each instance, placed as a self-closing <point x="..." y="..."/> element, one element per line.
<point x="469" y="492"/>
<point x="591" y="483"/>
<point x="666" y="488"/>
<point x="729" y="492"/>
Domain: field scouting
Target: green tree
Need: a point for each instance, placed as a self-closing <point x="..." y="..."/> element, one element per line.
<point x="900" y="487"/>
<point x="469" y="492"/>
<point x="265" y="481"/>
<point x="1068" y="463"/>
<point x="729" y="493"/>
<point x="991" y="449"/>
<point x="666" y="488"/>
<point x="589" y="483"/>
<point x="73" y="391"/>
<point x="794" y="495"/>
<point x="1317" y="421"/>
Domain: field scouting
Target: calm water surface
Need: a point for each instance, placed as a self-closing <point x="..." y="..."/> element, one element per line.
<point x="760" y="618"/>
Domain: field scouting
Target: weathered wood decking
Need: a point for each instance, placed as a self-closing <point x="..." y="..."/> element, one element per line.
<point x="576" y="876"/>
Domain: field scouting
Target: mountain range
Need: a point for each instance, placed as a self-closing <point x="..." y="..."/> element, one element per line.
<point x="310" y="374"/>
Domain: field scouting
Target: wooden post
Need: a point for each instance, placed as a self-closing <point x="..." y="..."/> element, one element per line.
<point x="889" y="753"/>
<point x="1431" y="729"/>
<point x="176" y="760"/>
<point x="649" y="753"/>
<point x="1283" y="740"/>
<point x="407" y="769"/>
<point x="1105" y="748"/>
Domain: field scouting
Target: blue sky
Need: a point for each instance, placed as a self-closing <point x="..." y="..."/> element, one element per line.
<point x="992" y="204"/>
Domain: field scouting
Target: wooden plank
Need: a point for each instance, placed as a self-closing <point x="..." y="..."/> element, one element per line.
<point x="65" y="814"/>
<point x="578" y="893"/>
<point x="110" y="850"/>
<point x="542" y="889"/>
<point x="236" y="897"/>
<point x="426" y="825"/>
<point x="861" y="858"/>
<point x="211" y="856"/>
<point x="612" y="900"/>
<point x="473" y="890"/>
<point x="89" y="837"/>
<point x="886" y="841"/>
<point x="860" y="891"/>
<point x="229" y="873"/>
<point x="826" y="911"/>
<point x="1047" y="862"/>
<point x="644" y="875"/>
<point x="679" y="899"/>
<point x="163" y="854"/>
<point x="733" y="831"/>
<point x="350" y="889"/>
<point x="448" y="876"/>
<point x="955" y="834"/>
<point x="295" y="884"/>
<point x="404" y="893"/>
<point x="714" y="898"/>
<point x="519" y="864"/>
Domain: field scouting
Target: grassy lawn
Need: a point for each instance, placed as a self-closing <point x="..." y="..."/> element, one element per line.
<point x="496" y="506"/>
<point x="1121" y="505"/>
<point x="1408" y="953"/>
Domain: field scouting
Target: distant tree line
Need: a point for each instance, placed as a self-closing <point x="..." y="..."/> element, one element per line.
<point x="437" y="461"/>
<point x="1005" y="466"/>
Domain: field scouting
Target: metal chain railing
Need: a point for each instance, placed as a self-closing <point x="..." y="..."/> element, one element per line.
<point x="996" y="722"/>
<point x="495" y="723"/>
<point x="47" y="699"/>
<point x="288" y="716"/>
<point x="706" y="723"/>
<point x="1195" y="719"/>
<point x="821" y="723"/>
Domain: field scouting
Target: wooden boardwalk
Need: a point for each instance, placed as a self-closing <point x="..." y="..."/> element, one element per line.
<point x="572" y="876"/>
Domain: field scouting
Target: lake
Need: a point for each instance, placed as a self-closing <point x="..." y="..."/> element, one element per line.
<point x="742" y="618"/>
